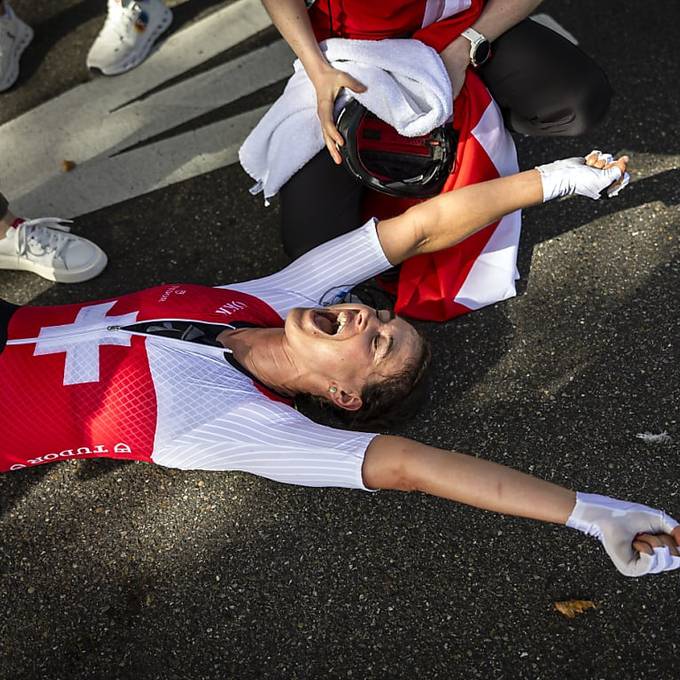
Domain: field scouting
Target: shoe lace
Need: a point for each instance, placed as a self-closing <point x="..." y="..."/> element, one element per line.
<point x="42" y="236"/>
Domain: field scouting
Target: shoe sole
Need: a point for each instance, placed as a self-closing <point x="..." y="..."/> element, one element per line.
<point x="58" y="276"/>
<point x="22" y="43"/>
<point x="138" y="58"/>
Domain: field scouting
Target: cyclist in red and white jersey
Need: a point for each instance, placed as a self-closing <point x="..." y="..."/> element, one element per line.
<point x="203" y="378"/>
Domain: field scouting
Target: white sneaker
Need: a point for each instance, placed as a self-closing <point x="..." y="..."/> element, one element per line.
<point x="130" y="30"/>
<point x="45" y="247"/>
<point x="15" y="36"/>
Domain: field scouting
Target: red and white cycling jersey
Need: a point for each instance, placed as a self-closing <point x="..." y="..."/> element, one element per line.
<point x="434" y="22"/>
<point x="74" y="382"/>
<point x="94" y="384"/>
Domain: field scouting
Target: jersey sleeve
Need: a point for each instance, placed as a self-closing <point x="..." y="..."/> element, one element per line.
<point x="271" y="440"/>
<point x="309" y="280"/>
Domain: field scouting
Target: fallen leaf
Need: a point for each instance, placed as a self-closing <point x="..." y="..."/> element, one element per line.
<point x="571" y="608"/>
<point x="67" y="166"/>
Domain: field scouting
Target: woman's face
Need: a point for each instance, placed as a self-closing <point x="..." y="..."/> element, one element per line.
<point x="347" y="346"/>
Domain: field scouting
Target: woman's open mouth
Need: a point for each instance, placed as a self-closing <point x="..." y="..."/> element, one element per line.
<point x="329" y="321"/>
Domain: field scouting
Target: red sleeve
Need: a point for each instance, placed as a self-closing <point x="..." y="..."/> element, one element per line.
<point x="441" y="33"/>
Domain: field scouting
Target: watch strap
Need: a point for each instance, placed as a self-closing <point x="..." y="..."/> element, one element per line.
<point x="473" y="36"/>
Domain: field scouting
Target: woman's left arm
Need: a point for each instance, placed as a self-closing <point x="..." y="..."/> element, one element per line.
<point x="449" y="218"/>
<point x="638" y="539"/>
<point x="496" y="18"/>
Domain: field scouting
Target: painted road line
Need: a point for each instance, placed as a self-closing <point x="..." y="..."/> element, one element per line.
<point x="105" y="181"/>
<point x="158" y="113"/>
<point x="35" y="143"/>
<point x="199" y="95"/>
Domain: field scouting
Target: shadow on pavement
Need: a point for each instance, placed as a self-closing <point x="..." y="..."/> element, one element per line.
<point x="53" y="29"/>
<point x="553" y="219"/>
<point x="188" y="11"/>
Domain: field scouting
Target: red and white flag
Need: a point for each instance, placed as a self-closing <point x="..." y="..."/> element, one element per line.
<point x="482" y="269"/>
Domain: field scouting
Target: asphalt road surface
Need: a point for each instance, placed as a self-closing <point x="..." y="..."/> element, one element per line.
<point x="114" y="570"/>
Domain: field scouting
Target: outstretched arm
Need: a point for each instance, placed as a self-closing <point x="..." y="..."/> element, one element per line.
<point x="407" y="465"/>
<point x="449" y="218"/>
<point x="638" y="539"/>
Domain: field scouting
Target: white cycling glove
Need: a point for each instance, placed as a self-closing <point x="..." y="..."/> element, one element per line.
<point x="573" y="176"/>
<point x="616" y="524"/>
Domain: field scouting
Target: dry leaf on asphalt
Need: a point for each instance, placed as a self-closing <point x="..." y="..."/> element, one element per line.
<point x="571" y="608"/>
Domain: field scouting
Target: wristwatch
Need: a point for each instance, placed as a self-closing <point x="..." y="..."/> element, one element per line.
<point x="480" y="49"/>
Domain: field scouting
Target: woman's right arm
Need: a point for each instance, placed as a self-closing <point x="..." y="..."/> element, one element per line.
<point x="638" y="539"/>
<point x="292" y="20"/>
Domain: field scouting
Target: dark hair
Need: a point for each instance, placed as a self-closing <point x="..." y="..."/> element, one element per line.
<point x="389" y="401"/>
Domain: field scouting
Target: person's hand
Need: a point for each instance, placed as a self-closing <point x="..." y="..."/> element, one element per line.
<point x="588" y="176"/>
<point x="604" y="161"/>
<point x="638" y="539"/>
<point x="328" y="82"/>
<point x="456" y="58"/>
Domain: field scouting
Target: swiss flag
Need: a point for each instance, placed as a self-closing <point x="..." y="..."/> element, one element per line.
<point x="482" y="269"/>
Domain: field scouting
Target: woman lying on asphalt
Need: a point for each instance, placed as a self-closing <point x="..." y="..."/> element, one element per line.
<point x="203" y="378"/>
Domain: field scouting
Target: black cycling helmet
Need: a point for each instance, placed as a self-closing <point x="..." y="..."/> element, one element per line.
<point x="382" y="159"/>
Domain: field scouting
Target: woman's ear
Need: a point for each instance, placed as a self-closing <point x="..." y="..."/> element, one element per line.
<point x="349" y="401"/>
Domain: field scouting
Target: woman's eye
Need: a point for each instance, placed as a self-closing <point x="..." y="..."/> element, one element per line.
<point x="375" y="342"/>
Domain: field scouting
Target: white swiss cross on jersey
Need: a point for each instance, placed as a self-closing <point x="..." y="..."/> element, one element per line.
<point x="82" y="341"/>
<point x="82" y="387"/>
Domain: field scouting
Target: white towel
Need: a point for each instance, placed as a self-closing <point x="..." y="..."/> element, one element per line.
<point x="407" y="87"/>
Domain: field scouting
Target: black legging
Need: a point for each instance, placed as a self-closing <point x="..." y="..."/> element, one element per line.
<point x="6" y="311"/>
<point x="544" y="84"/>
